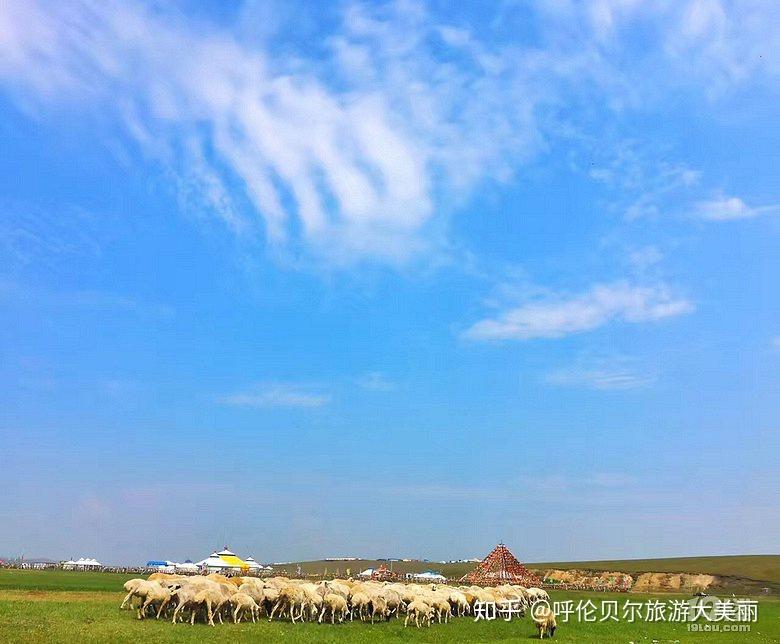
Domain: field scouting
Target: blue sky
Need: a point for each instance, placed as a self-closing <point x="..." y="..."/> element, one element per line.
<point x="389" y="279"/>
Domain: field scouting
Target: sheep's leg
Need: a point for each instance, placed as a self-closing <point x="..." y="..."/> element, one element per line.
<point x="322" y="612"/>
<point x="219" y="613"/>
<point x="142" y="609"/>
<point x="127" y="599"/>
<point x="406" y="621"/>
<point x="163" y="604"/>
<point x="210" y="613"/>
<point x="273" y="610"/>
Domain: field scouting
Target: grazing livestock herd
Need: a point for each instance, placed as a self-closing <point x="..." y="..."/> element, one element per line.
<point x="206" y="598"/>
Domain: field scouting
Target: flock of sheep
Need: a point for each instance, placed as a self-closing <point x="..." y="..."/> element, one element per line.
<point x="216" y="596"/>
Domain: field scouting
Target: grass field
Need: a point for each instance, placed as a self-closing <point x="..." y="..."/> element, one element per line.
<point x="57" y="606"/>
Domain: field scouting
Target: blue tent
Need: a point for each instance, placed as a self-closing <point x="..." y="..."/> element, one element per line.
<point x="152" y="564"/>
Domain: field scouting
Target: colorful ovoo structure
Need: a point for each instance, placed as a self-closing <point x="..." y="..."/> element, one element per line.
<point x="501" y="567"/>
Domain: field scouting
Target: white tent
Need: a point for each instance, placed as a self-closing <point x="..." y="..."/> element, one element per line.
<point x="252" y="564"/>
<point x="214" y="562"/>
<point x="430" y="575"/>
<point x="82" y="564"/>
<point x="222" y="561"/>
<point x="187" y="568"/>
<point x="366" y="573"/>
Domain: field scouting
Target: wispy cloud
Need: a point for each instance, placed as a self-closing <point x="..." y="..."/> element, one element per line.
<point x="731" y="208"/>
<point x="362" y="149"/>
<point x="615" y="373"/>
<point x="645" y="257"/>
<point x="776" y="343"/>
<point x="558" y="315"/>
<point x="97" y="301"/>
<point x="278" y="395"/>
<point x="642" y="184"/>
<point x="342" y="154"/>
<point x="31" y="235"/>
<point x="376" y="381"/>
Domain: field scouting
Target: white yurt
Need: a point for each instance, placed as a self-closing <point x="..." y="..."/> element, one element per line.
<point x="223" y="561"/>
<point x="187" y="568"/>
<point x="253" y="565"/>
<point x="83" y="563"/>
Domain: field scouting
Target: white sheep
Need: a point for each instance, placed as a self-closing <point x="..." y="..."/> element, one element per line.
<point x="242" y="603"/>
<point x="419" y="610"/>
<point x="336" y="605"/>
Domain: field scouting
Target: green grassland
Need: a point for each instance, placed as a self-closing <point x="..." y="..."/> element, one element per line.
<point x="57" y="606"/>
<point x="62" y="580"/>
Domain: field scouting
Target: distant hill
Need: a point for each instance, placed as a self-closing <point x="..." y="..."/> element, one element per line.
<point x="758" y="567"/>
<point x="755" y="567"/>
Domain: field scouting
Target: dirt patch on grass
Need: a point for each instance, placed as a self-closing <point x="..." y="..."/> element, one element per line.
<point x="675" y="583"/>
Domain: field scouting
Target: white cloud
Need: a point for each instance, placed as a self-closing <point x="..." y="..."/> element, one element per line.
<point x="556" y="316"/>
<point x="602" y="374"/>
<point x="776" y="343"/>
<point x="278" y="395"/>
<point x="645" y="257"/>
<point x="361" y="150"/>
<point x="376" y="381"/>
<point x="730" y="208"/>
<point x="644" y="184"/>
<point x="342" y="155"/>
<point x="718" y="42"/>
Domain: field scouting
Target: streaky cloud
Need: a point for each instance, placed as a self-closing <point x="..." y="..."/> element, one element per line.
<point x="556" y="316"/>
